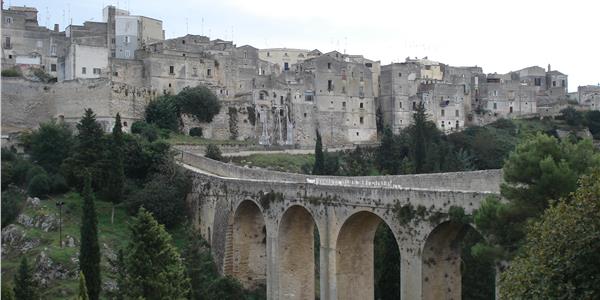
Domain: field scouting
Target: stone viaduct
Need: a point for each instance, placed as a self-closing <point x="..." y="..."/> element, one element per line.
<point x="262" y="226"/>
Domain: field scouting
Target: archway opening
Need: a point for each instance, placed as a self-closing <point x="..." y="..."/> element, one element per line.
<point x="247" y="257"/>
<point x="356" y="262"/>
<point x="298" y="270"/>
<point x="450" y="270"/>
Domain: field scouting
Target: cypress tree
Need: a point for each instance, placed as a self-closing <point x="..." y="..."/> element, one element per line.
<point x="319" y="166"/>
<point x="386" y="153"/>
<point x="25" y="286"/>
<point x="419" y="127"/>
<point x="83" y="293"/>
<point x="89" y="253"/>
<point x="153" y="266"/>
<point x="116" y="176"/>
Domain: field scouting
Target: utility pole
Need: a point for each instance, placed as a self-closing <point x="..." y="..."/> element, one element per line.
<point x="60" y="206"/>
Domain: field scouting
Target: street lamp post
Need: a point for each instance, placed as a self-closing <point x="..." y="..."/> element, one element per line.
<point x="60" y="205"/>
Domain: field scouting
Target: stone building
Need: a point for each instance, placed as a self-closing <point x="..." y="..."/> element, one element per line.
<point x="589" y="96"/>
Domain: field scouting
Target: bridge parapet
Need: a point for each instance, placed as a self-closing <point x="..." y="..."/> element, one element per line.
<point x="480" y="181"/>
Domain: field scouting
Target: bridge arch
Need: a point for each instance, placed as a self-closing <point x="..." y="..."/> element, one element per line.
<point x="355" y="255"/>
<point x="246" y="246"/>
<point x="296" y="244"/>
<point x="442" y="261"/>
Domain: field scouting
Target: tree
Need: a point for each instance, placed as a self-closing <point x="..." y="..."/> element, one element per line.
<point x="49" y="145"/>
<point x="387" y="154"/>
<point x="89" y="251"/>
<point x="562" y="250"/>
<point x="319" y="166"/>
<point x="25" y="286"/>
<point x="199" y="265"/>
<point x="419" y="138"/>
<point x="199" y="102"/>
<point x="121" y="276"/>
<point x="225" y="288"/>
<point x="116" y="179"/>
<point x="83" y="293"/>
<point x="164" y="195"/>
<point x="163" y="112"/>
<point x="386" y="264"/>
<point x="592" y="120"/>
<point x="153" y="266"/>
<point x="88" y="152"/>
<point x="39" y="185"/>
<point x="357" y="163"/>
<point x="572" y="116"/>
<point x="8" y="292"/>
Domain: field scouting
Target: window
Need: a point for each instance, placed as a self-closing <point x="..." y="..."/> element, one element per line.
<point x="495" y="105"/>
<point x="330" y="85"/>
<point x="400" y="104"/>
<point x="7" y="42"/>
<point x="328" y="65"/>
<point x="553" y="83"/>
<point x="563" y="83"/>
<point x="116" y="74"/>
<point x="39" y="44"/>
<point x="344" y="104"/>
<point x="286" y="66"/>
<point x="362" y="120"/>
<point x="414" y="105"/>
<point x="361" y="105"/>
<point x="511" y="109"/>
<point x="245" y="54"/>
<point x="457" y="124"/>
<point x="261" y="96"/>
<point x="399" y="74"/>
<point x="9" y="56"/>
<point x="268" y="54"/>
<point x="96" y="71"/>
<point x="53" y="68"/>
<point x="537" y="81"/>
<point x="127" y="40"/>
<point x="171" y="69"/>
<point x="112" y="40"/>
<point x="83" y="70"/>
<point x="183" y="42"/>
<point x="443" y="112"/>
<point x="285" y="54"/>
<point x="127" y="53"/>
<point x="53" y="50"/>
<point x="169" y="85"/>
<point x="8" y="20"/>
<point x="457" y="113"/>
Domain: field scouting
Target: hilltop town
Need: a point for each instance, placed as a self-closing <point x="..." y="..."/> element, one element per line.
<point x="276" y="96"/>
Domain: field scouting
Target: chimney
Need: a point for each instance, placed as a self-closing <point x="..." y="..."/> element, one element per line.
<point x="56" y="29"/>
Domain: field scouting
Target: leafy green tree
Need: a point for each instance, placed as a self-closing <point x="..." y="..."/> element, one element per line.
<point x="332" y="163"/>
<point x="89" y="251"/>
<point x="478" y="272"/>
<point x="88" y="153"/>
<point x="12" y="204"/>
<point x="153" y="266"/>
<point x="357" y="163"/>
<point x="50" y="145"/>
<point x="319" y="166"/>
<point x="199" y="265"/>
<point x="163" y="112"/>
<point x="213" y="152"/>
<point x="592" y="120"/>
<point x="142" y="158"/>
<point x="199" y="102"/>
<point x="116" y="179"/>
<point x="164" y="195"/>
<point x="562" y="250"/>
<point x="572" y="116"/>
<point x="386" y="153"/>
<point x="26" y="287"/>
<point x="225" y="288"/>
<point x="83" y="293"/>
<point x="8" y="292"/>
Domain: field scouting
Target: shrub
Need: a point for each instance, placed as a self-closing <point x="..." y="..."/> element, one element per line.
<point x="196" y="131"/>
<point x="39" y="185"/>
<point x="8" y="154"/>
<point x="58" y="184"/>
<point x="7" y="174"/>
<point x="12" y="204"/>
<point x="19" y="173"/>
<point x="199" y="102"/>
<point x="213" y="152"/>
<point x="49" y="145"/>
<point x="163" y="113"/>
<point x="34" y="171"/>
<point x="11" y="73"/>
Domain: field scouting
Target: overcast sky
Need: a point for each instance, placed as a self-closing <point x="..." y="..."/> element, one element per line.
<point x="500" y="36"/>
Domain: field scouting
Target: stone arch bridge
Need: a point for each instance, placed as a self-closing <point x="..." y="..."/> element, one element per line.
<point x="261" y="227"/>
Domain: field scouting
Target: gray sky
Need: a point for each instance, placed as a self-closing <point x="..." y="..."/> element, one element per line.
<point x="500" y="36"/>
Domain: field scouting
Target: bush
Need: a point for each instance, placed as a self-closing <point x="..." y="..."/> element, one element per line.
<point x="19" y="173"/>
<point x="196" y="131"/>
<point x="12" y="204"/>
<point x="49" y="145"/>
<point x="572" y="116"/>
<point x="225" y="288"/>
<point x="213" y="152"/>
<point x="11" y="73"/>
<point x="8" y="154"/>
<point x="34" y="171"/>
<point x="39" y="185"/>
<point x="58" y="184"/>
<point x="7" y="174"/>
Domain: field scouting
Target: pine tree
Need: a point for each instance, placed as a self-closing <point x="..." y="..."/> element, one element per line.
<point x="386" y="153"/>
<point x="116" y="178"/>
<point x="83" y="293"/>
<point x="25" y="286"/>
<point x="89" y="257"/>
<point x="153" y="266"/>
<point x="319" y="166"/>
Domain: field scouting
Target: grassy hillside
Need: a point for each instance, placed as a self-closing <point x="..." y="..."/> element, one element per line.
<point x="276" y="161"/>
<point x="111" y="237"/>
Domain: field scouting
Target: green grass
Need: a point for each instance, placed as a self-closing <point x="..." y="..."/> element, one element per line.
<point x="115" y="236"/>
<point x="182" y="139"/>
<point x="276" y="161"/>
